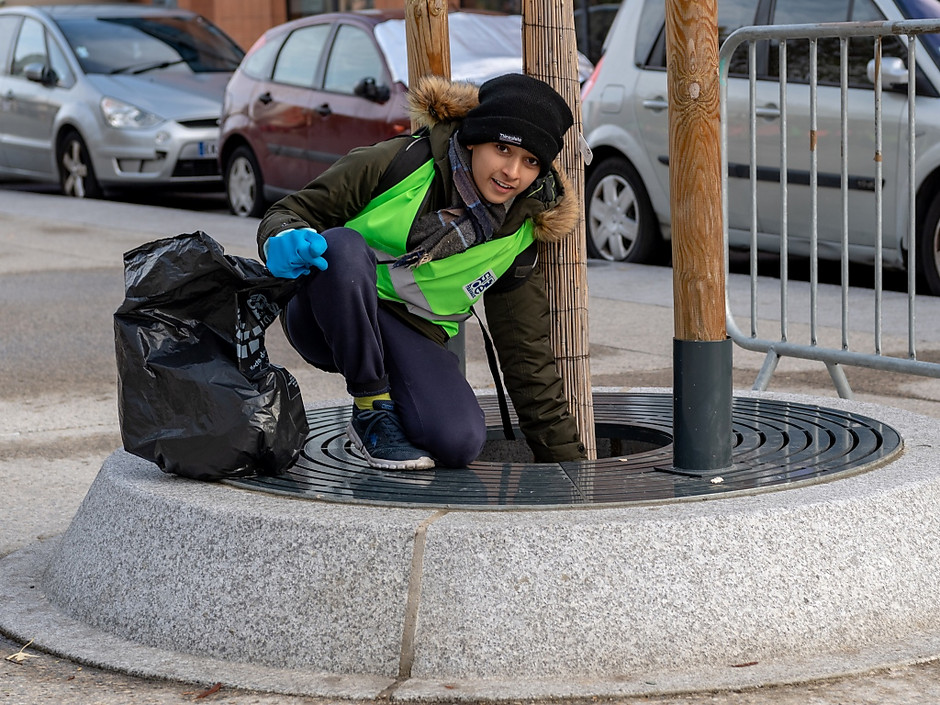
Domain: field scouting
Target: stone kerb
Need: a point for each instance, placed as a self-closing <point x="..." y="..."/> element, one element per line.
<point x="589" y="597"/>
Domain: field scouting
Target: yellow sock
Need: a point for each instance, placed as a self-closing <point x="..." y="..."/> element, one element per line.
<point x="365" y="403"/>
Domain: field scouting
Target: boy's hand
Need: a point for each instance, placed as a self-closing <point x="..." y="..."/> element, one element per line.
<point x="292" y="253"/>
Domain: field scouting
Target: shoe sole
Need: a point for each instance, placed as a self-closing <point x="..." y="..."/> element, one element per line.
<point x="422" y="463"/>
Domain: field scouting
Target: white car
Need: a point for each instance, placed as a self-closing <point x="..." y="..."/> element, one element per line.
<point x="626" y="126"/>
<point x="97" y="96"/>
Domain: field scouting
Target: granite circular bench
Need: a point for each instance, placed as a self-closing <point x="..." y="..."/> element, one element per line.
<point x="827" y="565"/>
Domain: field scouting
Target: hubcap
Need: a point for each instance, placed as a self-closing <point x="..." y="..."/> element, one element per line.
<point x="241" y="186"/>
<point x="75" y="170"/>
<point x="614" y="222"/>
<point x="935" y="250"/>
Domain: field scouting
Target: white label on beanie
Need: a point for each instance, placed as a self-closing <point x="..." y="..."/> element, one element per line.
<point x="509" y="139"/>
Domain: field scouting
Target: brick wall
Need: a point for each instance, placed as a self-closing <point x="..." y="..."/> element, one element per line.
<point x="243" y="20"/>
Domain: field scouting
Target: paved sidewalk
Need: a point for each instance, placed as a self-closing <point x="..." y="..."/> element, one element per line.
<point x="60" y="262"/>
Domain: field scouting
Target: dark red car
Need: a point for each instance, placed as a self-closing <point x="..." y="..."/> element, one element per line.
<point x="310" y="90"/>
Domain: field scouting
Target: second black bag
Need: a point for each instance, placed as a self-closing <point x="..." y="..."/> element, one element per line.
<point x="197" y="393"/>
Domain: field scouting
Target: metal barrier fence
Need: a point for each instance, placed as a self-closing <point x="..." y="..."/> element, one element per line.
<point x="757" y="175"/>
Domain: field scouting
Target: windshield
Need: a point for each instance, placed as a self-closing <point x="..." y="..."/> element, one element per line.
<point x="924" y="10"/>
<point x="138" y="44"/>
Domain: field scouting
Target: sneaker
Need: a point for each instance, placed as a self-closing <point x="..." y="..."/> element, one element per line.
<point x="377" y="432"/>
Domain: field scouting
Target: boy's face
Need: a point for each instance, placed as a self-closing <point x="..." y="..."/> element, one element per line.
<point x="502" y="171"/>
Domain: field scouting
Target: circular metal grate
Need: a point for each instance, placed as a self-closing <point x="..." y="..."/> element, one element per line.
<point x="776" y="444"/>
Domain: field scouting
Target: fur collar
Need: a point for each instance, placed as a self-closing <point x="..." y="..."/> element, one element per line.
<point x="435" y="102"/>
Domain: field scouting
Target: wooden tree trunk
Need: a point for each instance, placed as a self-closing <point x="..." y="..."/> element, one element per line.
<point x="695" y="169"/>
<point x="550" y="53"/>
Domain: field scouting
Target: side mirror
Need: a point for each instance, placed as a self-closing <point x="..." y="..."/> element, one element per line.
<point x="367" y="88"/>
<point x="40" y="73"/>
<point x="893" y="72"/>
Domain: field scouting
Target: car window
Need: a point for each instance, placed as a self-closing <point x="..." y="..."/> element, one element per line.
<point x="810" y="11"/>
<point x="136" y="45"/>
<point x="8" y="25"/>
<point x="649" y="34"/>
<point x="861" y="49"/>
<point x="591" y="27"/>
<point x="300" y="55"/>
<point x="30" y="47"/>
<point x="924" y="9"/>
<point x="259" y="63"/>
<point x="57" y="61"/>
<point x="732" y="15"/>
<point x="352" y="58"/>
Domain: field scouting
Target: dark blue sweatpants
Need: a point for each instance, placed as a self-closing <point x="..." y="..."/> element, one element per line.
<point x="336" y="324"/>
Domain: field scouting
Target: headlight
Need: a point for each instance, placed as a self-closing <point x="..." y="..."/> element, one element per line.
<point x="119" y="114"/>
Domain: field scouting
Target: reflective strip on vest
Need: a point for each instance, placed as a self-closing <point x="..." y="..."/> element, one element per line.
<point x="405" y="285"/>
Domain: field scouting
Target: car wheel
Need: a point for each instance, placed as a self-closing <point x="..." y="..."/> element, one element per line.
<point x="620" y="221"/>
<point x="243" y="184"/>
<point x="76" y="174"/>
<point x="928" y="248"/>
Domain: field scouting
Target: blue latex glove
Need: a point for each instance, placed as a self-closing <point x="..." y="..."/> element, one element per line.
<point x="292" y="253"/>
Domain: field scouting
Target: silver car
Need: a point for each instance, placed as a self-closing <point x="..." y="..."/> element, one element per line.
<point x="100" y="96"/>
<point x="626" y="125"/>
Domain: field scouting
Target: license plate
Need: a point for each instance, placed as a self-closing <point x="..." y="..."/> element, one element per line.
<point x="209" y="149"/>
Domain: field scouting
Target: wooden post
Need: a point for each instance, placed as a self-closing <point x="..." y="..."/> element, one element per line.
<point x="550" y="53"/>
<point x="702" y="403"/>
<point x="695" y="169"/>
<point x="427" y="38"/>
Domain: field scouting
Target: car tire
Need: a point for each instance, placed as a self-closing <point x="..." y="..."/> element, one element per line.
<point x="621" y="226"/>
<point x="244" y="186"/>
<point x="928" y="249"/>
<point x="76" y="174"/>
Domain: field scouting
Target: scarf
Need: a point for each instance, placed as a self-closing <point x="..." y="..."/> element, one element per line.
<point x="469" y="221"/>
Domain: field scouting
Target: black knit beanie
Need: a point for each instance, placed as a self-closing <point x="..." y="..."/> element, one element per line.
<point x="519" y="110"/>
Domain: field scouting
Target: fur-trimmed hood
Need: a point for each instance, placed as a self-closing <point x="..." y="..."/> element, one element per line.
<point x="439" y="104"/>
<point x="435" y="100"/>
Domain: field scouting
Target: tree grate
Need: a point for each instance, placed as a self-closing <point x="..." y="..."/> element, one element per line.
<point x="776" y="445"/>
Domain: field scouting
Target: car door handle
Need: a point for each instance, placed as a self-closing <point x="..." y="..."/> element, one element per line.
<point x="265" y="97"/>
<point x="656" y="104"/>
<point x="324" y="109"/>
<point x="768" y="111"/>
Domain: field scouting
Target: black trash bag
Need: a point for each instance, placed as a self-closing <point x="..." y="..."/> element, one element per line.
<point x="197" y="393"/>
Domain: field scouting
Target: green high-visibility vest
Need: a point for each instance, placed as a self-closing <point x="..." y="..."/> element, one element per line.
<point x="442" y="290"/>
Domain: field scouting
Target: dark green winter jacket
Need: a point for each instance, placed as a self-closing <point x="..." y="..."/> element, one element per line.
<point x="516" y="308"/>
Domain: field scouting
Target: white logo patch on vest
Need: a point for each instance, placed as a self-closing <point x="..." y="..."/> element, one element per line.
<point x="480" y="284"/>
<point x="509" y="139"/>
